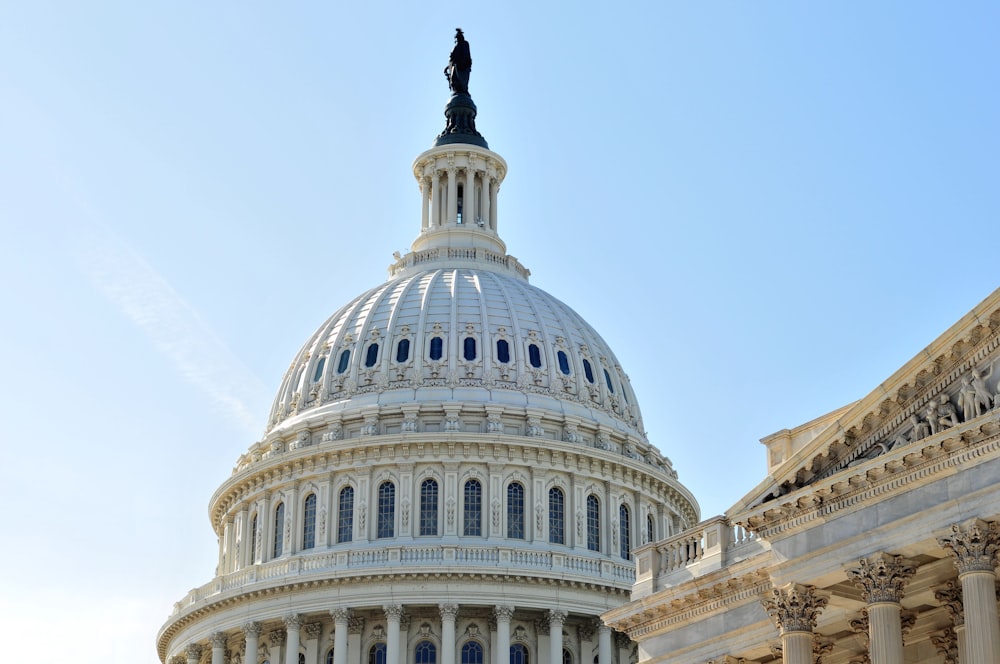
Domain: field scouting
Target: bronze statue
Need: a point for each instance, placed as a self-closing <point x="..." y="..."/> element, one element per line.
<point x="459" y="65"/>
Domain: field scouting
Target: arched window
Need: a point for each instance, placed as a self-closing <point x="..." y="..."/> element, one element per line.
<point x="345" y="358"/>
<point x="593" y="523"/>
<point x="518" y="654"/>
<point x="376" y="654"/>
<point x="279" y="530"/>
<point x="503" y="351"/>
<point x="386" y="526"/>
<point x="253" y="539"/>
<point x="469" y="349"/>
<point x="515" y="511"/>
<point x="437" y="348"/>
<point x="650" y="528"/>
<point x="557" y="516"/>
<point x="319" y="369"/>
<point x="371" y="356"/>
<point x="624" y="532"/>
<point x="403" y="350"/>
<point x="607" y="379"/>
<point x="534" y="356"/>
<point x="329" y="657"/>
<point x="309" y="522"/>
<point x="302" y="658"/>
<point x="567" y="657"/>
<point x="429" y="507"/>
<point x="472" y="653"/>
<point x="588" y="371"/>
<point x="563" y="362"/>
<point x="425" y="653"/>
<point x="345" y="515"/>
<point x="472" y="514"/>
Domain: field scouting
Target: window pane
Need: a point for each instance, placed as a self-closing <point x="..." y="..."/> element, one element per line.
<point x="319" y="369"/>
<point x="279" y="530"/>
<point x="588" y="371"/>
<point x="345" y="357"/>
<point x="518" y="654"/>
<point x="437" y="346"/>
<point x="593" y="524"/>
<point x="429" y="507"/>
<point x="253" y="539"/>
<point x="309" y="522"/>
<point x="557" y="516"/>
<point x="472" y="653"/>
<point x="425" y="653"/>
<point x="372" y="356"/>
<point x="515" y="511"/>
<point x="534" y="356"/>
<point x="345" y="515"/>
<point x="473" y="513"/>
<point x="650" y="529"/>
<point x="403" y="350"/>
<point x="377" y="654"/>
<point x="563" y="362"/>
<point x="607" y="379"/>
<point x="469" y="349"/>
<point x="503" y="351"/>
<point x="625" y="538"/>
<point x="386" y="510"/>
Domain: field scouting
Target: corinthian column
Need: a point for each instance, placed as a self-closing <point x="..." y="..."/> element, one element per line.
<point x="218" y="647"/>
<point x="503" y="615"/>
<point x="293" y="625"/>
<point x="393" y="613"/>
<point x="881" y="579"/>
<point x="794" y="609"/>
<point x="193" y="653"/>
<point x="341" y="621"/>
<point x="448" y="614"/>
<point x="556" y="620"/>
<point x="603" y="644"/>
<point x="974" y="545"/>
<point x="251" y="632"/>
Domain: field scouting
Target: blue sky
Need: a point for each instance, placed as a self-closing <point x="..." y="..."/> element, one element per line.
<point x="765" y="208"/>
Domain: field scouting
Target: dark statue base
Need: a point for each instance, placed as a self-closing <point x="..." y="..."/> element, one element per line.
<point x="460" y="126"/>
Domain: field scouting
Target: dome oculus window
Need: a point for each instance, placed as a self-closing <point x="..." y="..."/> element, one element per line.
<point x="588" y="371"/>
<point x="403" y="350"/>
<point x="469" y="349"/>
<point x="503" y="351"/>
<point x="534" y="356"/>
<point x="371" y="356"/>
<point x="345" y="358"/>
<point x="437" y="348"/>
<point x="563" y="362"/>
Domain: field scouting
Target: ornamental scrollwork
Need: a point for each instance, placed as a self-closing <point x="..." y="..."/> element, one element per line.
<point x="795" y="607"/>
<point x="881" y="577"/>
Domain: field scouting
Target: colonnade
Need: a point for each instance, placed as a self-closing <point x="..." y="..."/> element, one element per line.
<point x="440" y="199"/>
<point x="253" y="644"/>
<point x="882" y="578"/>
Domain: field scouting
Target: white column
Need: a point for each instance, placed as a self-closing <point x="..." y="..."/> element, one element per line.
<point x="469" y="196"/>
<point x="556" y="620"/>
<point x="193" y="653"/>
<point x="218" y="647"/>
<point x="251" y="632"/>
<point x="485" y="199"/>
<point x="881" y="579"/>
<point x="603" y="644"/>
<point x="448" y="614"/>
<point x="293" y="623"/>
<point x="435" y="199"/>
<point x="794" y="609"/>
<point x="452" y="196"/>
<point x="425" y="200"/>
<point x="494" y="188"/>
<point x="975" y="545"/>
<point x="355" y="626"/>
<point x="503" y="615"/>
<point x="341" y="621"/>
<point x="393" y="612"/>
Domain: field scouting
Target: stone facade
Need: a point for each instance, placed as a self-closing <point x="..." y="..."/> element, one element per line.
<point x="873" y="539"/>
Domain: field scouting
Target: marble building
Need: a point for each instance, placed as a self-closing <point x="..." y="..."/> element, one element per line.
<point x="873" y="538"/>
<point x="454" y="469"/>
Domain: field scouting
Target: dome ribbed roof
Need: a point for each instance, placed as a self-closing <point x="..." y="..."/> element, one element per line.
<point x="458" y="334"/>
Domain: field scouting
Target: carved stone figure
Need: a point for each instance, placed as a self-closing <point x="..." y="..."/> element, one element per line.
<point x="967" y="399"/>
<point x="946" y="413"/>
<point x="920" y="429"/>
<point x="983" y="396"/>
<point x="459" y="65"/>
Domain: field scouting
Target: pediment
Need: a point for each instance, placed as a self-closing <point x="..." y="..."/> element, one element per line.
<point x="953" y="381"/>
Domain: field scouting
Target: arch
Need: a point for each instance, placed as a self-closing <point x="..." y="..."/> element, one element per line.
<point x="425" y="653"/>
<point x="519" y="654"/>
<point x="557" y="516"/>
<point x="386" y="513"/>
<point x="279" y="530"/>
<point x="515" y="510"/>
<point x="329" y="657"/>
<point x="309" y="521"/>
<point x="567" y="657"/>
<point x="472" y="653"/>
<point x="345" y="515"/>
<point x="650" y="528"/>
<point x="429" y="507"/>
<point x="472" y="508"/>
<point x="624" y="532"/>
<point x="593" y="523"/>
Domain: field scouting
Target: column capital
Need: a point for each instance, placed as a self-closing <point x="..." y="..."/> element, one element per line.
<point x="219" y="639"/>
<point x="950" y="595"/>
<point x="448" y="611"/>
<point x="946" y="643"/>
<point x="178" y="659"/>
<point x="503" y="613"/>
<point x="355" y="625"/>
<point x="881" y="577"/>
<point x="556" y="617"/>
<point x="193" y="651"/>
<point x="795" y="607"/>
<point x="277" y="637"/>
<point x="312" y="630"/>
<point x="293" y="621"/>
<point x="393" y="611"/>
<point x="974" y="544"/>
<point x="251" y="629"/>
<point x="340" y="615"/>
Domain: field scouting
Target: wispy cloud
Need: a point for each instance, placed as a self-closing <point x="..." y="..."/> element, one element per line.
<point x="174" y="327"/>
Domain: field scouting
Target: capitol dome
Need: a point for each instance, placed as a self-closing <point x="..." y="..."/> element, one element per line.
<point x="454" y="469"/>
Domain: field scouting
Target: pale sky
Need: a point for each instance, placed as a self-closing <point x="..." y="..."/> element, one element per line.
<point x="765" y="208"/>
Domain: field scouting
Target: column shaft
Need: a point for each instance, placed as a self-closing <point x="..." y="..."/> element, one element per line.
<point x="603" y="645"/>
<point x="392" y="614"/>
<point x="503" y="615"/>
<point x="885" y="632"/>
<point x="556" y="619"/>
<point x="425" y="200"/>
<point x="982" y="629"/>
<point x="252" y="638"/>
<point x="340" y="621"/>
<point x="448" y="633"/>
<point x="963" y="644"/>
<point x="435" y="200"/>
<point x="452" y="196"/>
<point x="293" y="623"/>
<point x="469" y="195"/>
<point x="484" y="198"/>
<point x="796" y="647"/>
